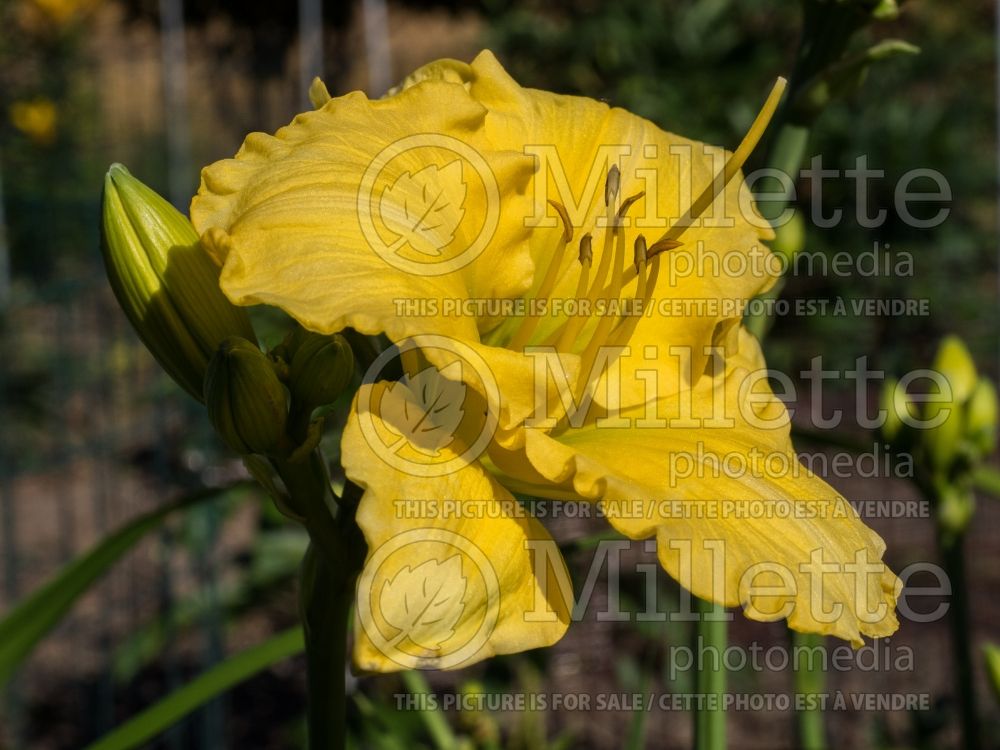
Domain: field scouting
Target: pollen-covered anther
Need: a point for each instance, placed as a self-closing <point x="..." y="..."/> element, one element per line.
<point x="661" y="246"/>
<point x="564" y="216"/>
<point x="612" y="184"/>
<point x="587" y="249"/>
<point x="640" y="252"/>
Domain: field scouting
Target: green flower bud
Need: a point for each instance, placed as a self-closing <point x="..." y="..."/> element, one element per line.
<point x="981" y="417"/>
<point x="321" y="367"/>
<point x="955" y="509"/>
<point x="955" y="363"/>
<point x="895" y="402"/>
<point x="163" y="280"/>
<point x="246" y="402"/>
<point x="790" y="237"/>
<point x="886" y="10"/>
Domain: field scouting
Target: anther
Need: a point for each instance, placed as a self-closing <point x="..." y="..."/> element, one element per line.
<point x="626" y="205"/>
<point x="587" y="248"/>
<point x="661" y="246"/>
<point x="612" y="184"/>
<point x="564" y="215"/>
<point x="640" y="253"/>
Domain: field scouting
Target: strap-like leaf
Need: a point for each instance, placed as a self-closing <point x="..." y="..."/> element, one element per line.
<point x="167" y="712"/>
<point x="32" y="618"/>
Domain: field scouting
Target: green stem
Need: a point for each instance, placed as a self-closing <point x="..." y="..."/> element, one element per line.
<point x="325" y="604"/>
<point x="329" y="573"/>
<point x="953" y="557"/>
<point x="810" y="681"/>
<point x="710" y="716"/>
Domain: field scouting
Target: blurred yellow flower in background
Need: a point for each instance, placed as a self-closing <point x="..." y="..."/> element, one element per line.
<point x="62" y="12"/>
<point x="37" y="118"/>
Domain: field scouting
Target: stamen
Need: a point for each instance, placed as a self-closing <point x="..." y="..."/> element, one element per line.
<point x="523" y="334"/>
<point x="607" y="321"/>
<point x="645" y="287"/>
<point x="617" y="331"/>
<point x="733" y="165"/>
<point x="614" y="233"/>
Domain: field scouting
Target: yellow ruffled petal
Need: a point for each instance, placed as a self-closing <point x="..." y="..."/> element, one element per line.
<point x="361" y="212"/>
<point x="737" y="519"/>
<point x="452" y="574"/>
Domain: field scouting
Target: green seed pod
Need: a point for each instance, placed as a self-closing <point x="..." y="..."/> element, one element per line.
<point x="163" y="280"/>
<point x="955" y="363"/>
<point x="246" y="402"/>
<point x="895" y="402"/>
<point x="321" y="367"/>
<point x="981" y="417"/>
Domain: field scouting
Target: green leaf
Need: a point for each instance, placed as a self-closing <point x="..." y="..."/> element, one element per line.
<point x="30" y="620"/>
<point x="167" y="712"/>
<point x="434" y="719"/>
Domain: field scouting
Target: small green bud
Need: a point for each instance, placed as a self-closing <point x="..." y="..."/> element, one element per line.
<point x="246" y="402"/>
<point x="843" y="79"/>
<point x="895" y="402"/>
<point x="981" y="417"/>
<point x="320" y="369"/>
<point x="955" y="509"/>
<point x="790" y="238"/>
<point x="955" y="363"/>
<point x="163" y="280"/>
<point x="886" y="10"/>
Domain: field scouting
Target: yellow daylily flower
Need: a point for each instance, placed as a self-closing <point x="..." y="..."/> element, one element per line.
<point x="503" y="237"/>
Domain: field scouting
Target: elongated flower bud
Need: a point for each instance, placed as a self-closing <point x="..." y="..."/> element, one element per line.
<point x="955" y="509"/>
<point x="246" y="402"/>
<point x="321" y="368"/>
<point x="895" y="402"/>
<point x="955" y="363"/>
<point x="981" y="417"/>
<point x="166" y="284"/>
<point x="790" y="238"/>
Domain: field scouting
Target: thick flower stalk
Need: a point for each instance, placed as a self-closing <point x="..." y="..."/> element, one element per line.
<point x="564" y="283"/>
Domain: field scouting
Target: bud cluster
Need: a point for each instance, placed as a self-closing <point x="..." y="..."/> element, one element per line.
<point x="962" y="409"/>
<point x="260" y="404"/>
